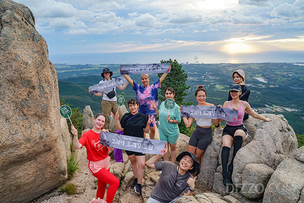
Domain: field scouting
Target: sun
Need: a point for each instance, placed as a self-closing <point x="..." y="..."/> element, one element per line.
<point x="239" y="48"/>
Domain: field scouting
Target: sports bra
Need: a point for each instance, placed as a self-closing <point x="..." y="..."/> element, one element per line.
<point x="241" y="113"/>
<point x="203" y="121"/>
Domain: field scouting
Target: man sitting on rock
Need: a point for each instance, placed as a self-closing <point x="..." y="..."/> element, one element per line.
<point x="174" y="179"/>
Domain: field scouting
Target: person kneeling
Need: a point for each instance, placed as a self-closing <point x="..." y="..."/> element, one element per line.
<point x="174" y="179"/>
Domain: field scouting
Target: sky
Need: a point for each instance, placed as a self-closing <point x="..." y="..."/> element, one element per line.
<point x="147" y="31"/>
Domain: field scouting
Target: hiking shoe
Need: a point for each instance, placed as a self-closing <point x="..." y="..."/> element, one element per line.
<point x="137" y="189"/>
<point x="134" y="183"/>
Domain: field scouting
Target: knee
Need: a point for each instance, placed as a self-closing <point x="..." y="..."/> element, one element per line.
<point x="152" y="130"/>
<point x="141" y="165"/>
<point x="173" y="147"/>
<point x="116" y="182"/>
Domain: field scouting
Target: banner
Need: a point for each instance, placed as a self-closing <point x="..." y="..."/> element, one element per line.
<point x="108" y="85"/>
<point x="212" y="112"/>
<point x="130" y="69"/>
<point x="130" y="143"/>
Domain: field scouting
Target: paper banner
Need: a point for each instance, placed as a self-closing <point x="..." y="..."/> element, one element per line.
<point x="130" y="69"/>
<point x="130" y="143"/>
<point x="211" y="112"/>
<point x="108" y="85"/>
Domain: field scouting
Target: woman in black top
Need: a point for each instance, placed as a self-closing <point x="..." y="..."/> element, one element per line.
<point x="238" y="77"/>
<point x="135" y="124"/>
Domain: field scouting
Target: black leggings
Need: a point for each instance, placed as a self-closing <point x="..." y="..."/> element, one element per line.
<point x="201" y="137"/>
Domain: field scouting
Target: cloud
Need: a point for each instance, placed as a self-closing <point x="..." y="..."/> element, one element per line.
<point x="241" y="19"/>
<point x="255" y="2"/>
<point x="185" y="18"/>
<point x="287" y="10"/>
<point x="146" y="20"/>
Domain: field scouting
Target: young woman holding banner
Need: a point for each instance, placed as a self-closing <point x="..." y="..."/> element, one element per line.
<point x="98" y="158"/>
<point x="145" y="94"/>
<point x="109" y="100"/>
<point x="202" y="135"/>
<point x="135" y="124"/>
<point x="168" y="124"/>
<point x="234" y="132"/>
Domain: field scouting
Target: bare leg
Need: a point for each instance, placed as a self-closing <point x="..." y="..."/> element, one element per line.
<point x="199" y="153"/>
<point x="152" y="132"/>
<point x="140" y="168"/>
<point x="133" y="165"/>
<point x="166" y="155"/>
<point x="173" y="152"/>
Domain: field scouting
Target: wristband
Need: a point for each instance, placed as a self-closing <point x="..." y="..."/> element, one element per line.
<point x="191" y="190"/>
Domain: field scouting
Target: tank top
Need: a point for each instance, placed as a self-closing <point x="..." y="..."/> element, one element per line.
<point x="203" y="121"/>
<point x="241" y="113"/>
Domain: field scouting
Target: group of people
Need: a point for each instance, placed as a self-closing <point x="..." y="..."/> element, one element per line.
<point x="174" y="179"/>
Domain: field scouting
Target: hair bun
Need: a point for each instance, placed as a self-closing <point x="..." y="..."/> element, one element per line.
<point x="200" y="87"/>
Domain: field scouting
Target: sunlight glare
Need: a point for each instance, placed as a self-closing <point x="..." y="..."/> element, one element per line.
<point x="239" y="48"/>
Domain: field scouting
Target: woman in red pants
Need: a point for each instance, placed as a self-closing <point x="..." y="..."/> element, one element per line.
<point x="98" y="158"/>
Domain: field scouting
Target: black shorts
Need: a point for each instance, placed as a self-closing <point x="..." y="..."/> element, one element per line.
<point x="134" y="153"/>
<point x="230" y="130"/>
<point x="201" y="138"/>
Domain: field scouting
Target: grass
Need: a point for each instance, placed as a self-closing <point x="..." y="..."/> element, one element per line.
<point x="73" y="165"/>
<point x="69" y="188"/>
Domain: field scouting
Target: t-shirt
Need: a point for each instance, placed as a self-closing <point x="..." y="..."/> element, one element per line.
<point x="145" y="95"/>
<point x="169" y="129"/>
<point x="104" y="96"/>
<point x="134" y="126"/>
<point x="95" y="150"/>
<point x="170" y="184"/>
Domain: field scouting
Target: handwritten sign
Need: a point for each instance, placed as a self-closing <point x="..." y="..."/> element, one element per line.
<point x="130" y="143"/>
<point x="66" y="112"/>
<point x="120" y="100"/>
<point x="107" y="85"/>
<point x="211" y="112"/>
<point x="130" y="69"/>
<point x="169" y="104"/>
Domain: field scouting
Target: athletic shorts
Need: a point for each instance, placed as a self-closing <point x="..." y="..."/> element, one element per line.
<point x="201" y="138"/>
<point x="230" y="130"/>
<point x="153" y="123"/>
<point x="169" y="139"/>
<point x="129" y="153"/>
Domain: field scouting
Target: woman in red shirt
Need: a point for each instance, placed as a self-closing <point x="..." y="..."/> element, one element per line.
<point x="98" y="158"/>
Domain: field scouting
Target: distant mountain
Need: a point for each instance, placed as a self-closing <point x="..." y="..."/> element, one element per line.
<point x="280" y="86"/>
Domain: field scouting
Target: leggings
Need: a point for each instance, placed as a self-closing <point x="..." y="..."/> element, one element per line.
<point x="105" y="177"/>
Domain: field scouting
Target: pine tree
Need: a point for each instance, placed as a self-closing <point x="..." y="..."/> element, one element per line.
<point x="177" y="80"/>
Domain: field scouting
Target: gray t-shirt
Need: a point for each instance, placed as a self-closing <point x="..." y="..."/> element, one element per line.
<point x="170" y="184"/>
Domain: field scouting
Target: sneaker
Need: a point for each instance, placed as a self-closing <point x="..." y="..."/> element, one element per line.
<point x="137" y="189"/>
<point x="134" y="183"/>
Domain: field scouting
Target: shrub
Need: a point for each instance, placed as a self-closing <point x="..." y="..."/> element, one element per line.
<point x="72" y="166"/>
<point x="69" y="188"/>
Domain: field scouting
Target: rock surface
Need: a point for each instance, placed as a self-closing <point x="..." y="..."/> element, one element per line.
<point x="88" y="118"/>
<point x="32" y="151"/>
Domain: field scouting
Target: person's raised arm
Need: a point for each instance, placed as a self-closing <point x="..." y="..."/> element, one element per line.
<point x="150" y="163"/>
<point x="191" y="184"/>
<point x="118" y="122"/>
<point x="76" y="143"/>
<point x="128" y="78"/>
<point x="161" y="79"/>
<point x="188" y="121"/>
<point x="154" y="107"/>
<point x="254" y="114"/>
<point x="147" y="128"/>
<point x="122" y="87"/>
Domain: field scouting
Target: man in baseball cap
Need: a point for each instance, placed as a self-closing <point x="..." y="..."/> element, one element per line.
<point x="174" y="179"/>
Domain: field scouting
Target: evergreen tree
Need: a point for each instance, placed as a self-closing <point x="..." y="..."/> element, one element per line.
<point x="177" y="80"/>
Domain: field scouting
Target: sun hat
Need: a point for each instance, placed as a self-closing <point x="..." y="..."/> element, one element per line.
<point x="235" y="87"/>
<point x="240" y="72"/>
<point x="106" y="70"/>
<point x="195" y="164"/>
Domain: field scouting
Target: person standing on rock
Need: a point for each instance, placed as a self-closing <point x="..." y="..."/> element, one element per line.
<point x="235" y="132"/>
<point x="109" y="100"/>
<point x="201" y="137"/>
<point x="145" y="94"/>
<point x="98" y="158"/>
<point x="238" y="77"/>
<point x="168" y="124"/>
<point x="174" y="179"/>
<point x="135" y="124"/>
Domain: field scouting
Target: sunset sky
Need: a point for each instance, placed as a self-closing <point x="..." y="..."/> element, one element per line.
<point x="140" y="31"/>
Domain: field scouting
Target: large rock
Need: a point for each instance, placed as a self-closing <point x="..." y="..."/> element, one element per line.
<point x="122" y="110"/>
<point x="32" y="151"/>
<point x="286" y="183"/>
<point x="255" y="179"/>
<point x="88" y="118"/>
